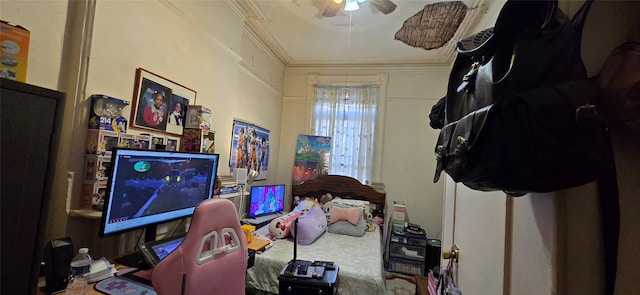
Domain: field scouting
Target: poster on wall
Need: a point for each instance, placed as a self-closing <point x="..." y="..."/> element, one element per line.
<point x="249" y="148"/>
<point x="313" y="156"/>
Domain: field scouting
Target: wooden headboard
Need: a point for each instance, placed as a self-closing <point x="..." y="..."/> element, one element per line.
<point x="340" y="186"/>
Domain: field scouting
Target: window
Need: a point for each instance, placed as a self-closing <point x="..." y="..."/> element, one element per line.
<point x="348" y="115"/>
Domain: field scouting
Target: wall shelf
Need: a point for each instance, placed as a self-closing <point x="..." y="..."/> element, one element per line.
<point x="230" y="195"/>
<point x="86" y="213"/>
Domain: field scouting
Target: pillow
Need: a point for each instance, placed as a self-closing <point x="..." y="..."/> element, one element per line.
<point x="363" y="205"/>
<point x="280" y="227"/>
<point x="311" y="225"/>
<point x="352" y="214"/>
<point x="343" y="227"/>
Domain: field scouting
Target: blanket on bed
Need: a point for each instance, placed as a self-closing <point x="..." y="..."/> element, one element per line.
<point x="359" y="258"/>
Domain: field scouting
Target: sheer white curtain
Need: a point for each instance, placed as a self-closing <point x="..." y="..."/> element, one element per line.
<point x="348" y="115"/>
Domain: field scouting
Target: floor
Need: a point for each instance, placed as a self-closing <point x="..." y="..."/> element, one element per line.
<point x="397" y="284"/>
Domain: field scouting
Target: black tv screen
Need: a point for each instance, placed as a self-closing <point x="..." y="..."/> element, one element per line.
<point x="149" y="187"/>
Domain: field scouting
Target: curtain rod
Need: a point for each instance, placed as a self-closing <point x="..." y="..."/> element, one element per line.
<point x="347" y="86"/>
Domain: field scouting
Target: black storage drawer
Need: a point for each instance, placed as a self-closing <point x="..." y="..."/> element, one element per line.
<point x="407" y="251"/>
<point x="410" y="241"/>
<point x="406" y="266"/>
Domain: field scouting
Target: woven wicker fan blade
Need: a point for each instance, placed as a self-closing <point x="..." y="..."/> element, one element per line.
<point x="433" y="26"/>
<point x="385" y="6"/>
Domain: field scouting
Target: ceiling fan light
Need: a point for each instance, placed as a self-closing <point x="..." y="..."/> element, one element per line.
<point x="351" y="5"/>
<point x="337" y="1"/>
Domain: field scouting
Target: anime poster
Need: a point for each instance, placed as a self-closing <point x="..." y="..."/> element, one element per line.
<point x="313" y="156"/>
<point x="249" y="148"/>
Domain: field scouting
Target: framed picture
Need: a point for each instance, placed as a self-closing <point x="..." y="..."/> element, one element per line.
<point x="159" y="104"/>
<point x="172" y="143"/>
<point x="158" y="142"/>
<point x="249" y="148"/>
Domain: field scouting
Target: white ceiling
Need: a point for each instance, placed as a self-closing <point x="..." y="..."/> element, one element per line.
<point x="298" y="34"/>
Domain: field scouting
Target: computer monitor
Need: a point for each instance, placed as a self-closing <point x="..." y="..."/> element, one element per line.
<point x="150" y="187"/>
<point x="266" y="199"/>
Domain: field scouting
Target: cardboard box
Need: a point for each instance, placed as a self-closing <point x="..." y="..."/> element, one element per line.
<point x="95" y="167"/>
<point x="249" y="231"/>
<point x="198" y="117"/>
<point x="14" y="53"/>
<point x="126" y="140"/>
<point x="101" y="142"/>
<point x="92" y="193"/>
<point x="142" y="141"/>
<point x="106" y="113"/>
<point x="198" y="140"/>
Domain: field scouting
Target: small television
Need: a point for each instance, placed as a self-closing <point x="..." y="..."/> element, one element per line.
<point x="266" y="199"/>
<point x="150" y="187"/>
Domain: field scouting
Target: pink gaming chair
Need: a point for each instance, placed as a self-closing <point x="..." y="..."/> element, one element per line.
<point x="211" y="259"/>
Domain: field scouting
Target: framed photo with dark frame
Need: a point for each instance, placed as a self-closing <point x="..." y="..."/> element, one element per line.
<point x="159" y="104"/>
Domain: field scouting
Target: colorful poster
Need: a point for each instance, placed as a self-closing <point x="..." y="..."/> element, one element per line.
<point x="313" y="155"/>
<point x="249" y="148"/>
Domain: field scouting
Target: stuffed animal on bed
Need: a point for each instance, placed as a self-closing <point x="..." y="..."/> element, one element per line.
<point x="311" y="225"/>
<point x="306" y="204"/>
<point x="279" y="227"/>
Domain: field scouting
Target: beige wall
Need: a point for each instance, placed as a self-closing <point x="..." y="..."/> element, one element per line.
<point x="208" y="50"/>
<point x="407" y="144"/>
<point x="232" y="75"/>
<point x="608" y="24"/>
<point x="201" y="45"/>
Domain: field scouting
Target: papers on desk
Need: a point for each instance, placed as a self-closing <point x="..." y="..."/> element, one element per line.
<point x="100" y="269"/>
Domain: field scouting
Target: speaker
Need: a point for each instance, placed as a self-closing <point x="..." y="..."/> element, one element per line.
<point x="434" y="249"/>
<point x="241" y="175"/>
<point x="58" y="254"/>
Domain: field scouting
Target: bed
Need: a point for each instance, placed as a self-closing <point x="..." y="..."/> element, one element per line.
<point x="360" y="258"/>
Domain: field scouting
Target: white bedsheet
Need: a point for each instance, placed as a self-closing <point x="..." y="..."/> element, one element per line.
<point x="359" y="259"/>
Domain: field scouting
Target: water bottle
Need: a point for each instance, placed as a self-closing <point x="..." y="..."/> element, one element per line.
<point x="80" y="266"/>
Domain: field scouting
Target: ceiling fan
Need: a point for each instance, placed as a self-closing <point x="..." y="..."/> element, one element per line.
<point x="385" y="6"/>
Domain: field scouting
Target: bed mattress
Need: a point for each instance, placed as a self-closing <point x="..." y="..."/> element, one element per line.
<point x="359" y="258"/>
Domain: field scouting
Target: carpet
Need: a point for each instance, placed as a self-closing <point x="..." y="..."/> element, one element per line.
<point x="399" y="284"/>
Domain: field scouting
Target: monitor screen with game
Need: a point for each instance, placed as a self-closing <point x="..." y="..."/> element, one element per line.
<point x="150" y="187"/>
<point x="266" y="199"/>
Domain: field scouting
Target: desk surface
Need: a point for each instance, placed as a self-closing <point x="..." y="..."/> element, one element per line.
<point x="258" y="243"/>
<point x="92" y="291"/>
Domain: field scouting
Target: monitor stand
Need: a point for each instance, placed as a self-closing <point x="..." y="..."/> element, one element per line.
<point x="263" y="219"/>
<point x="135" y="258"/>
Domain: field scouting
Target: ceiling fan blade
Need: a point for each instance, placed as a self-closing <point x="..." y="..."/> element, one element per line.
<point x="385" y="6"/>
<point x="332" y="9"/>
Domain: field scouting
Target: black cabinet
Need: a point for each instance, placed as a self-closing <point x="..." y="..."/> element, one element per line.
<point x="30" y="121"/>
